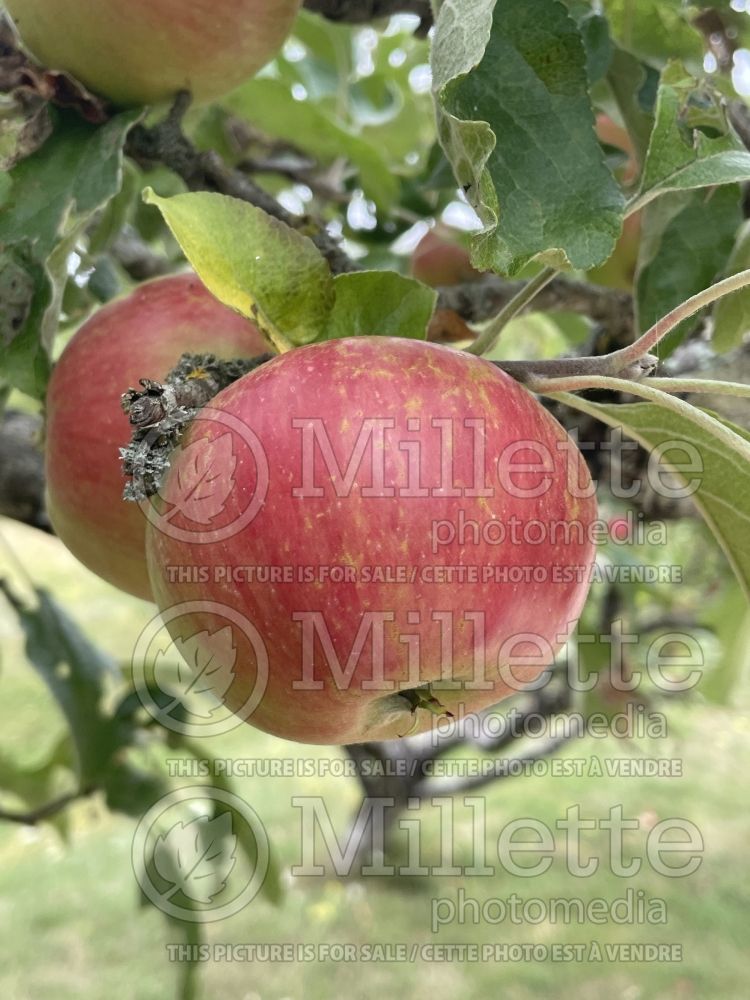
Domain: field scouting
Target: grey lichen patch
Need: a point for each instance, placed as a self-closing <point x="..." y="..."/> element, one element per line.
<point x="160" y="413"/>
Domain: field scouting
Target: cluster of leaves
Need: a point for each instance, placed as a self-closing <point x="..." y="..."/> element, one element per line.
<point x="342" y="124"/>
<point x="70" y="204"/>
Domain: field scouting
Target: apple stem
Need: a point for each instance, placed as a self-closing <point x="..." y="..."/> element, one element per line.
<point x="634" y="361"/>
<point x="562" y="389"/>
<point x="273" y="335"/>
<point x="578" y="383"/>
<point x="688" y="308"/>
<point x="530" y="372"/>
<point x="639" y="201"/>
<point x="491" y="333"/>
<point x="690" y="385"/>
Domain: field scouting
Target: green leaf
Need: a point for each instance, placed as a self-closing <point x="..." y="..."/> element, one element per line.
<point x="269" y="105"/>
<point x="26" y="293"/>
<point x="409" y="132"/>
<point x="597" y="43"/>
<point x="516" y="122"/>
<point x="686" y="240"/>
<point x="380" y="303"/>
<point x="272" y="887"/>
<point x="117" y="213"/>
<point x="536" y="335"/>
<point x="723" y="490"/>
<point x="41" y="782"/>
<point x="654" y="30"/>
<point x="330" y="52"/>
<point x="77" y="170"/>
<point x="6" y="184"/>
<point x="252" y="262"/>
<point x="192" y="932"/>
<point x="630" y="82"/>
<point x="26" y="361"/>
<point x="131" y="790"/>
<point x="732" y="313"/>
<point x="729" y="618"/>
<point x="680" y="154"/>
<point x="376" y="99"/>
<point x="50" y="198"/>
<point x="243" y="824"/>
<point x="75" y="671"/>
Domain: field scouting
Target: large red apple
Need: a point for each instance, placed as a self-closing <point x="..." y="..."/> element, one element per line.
<point x="144" y="51"/>
<point x="340" y="513"/>
<point x="141" y="335"/>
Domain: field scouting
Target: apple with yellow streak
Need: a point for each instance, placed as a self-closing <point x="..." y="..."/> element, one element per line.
<point x="403" y="530"/>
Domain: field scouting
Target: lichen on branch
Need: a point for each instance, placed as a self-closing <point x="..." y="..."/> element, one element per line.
<point x="160" y="413"/>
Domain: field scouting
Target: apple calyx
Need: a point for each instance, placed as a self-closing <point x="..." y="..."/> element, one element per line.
<point x="422" y="697"/>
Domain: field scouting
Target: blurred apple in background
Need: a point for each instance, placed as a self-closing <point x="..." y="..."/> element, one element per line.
<point x="441" y="259"/>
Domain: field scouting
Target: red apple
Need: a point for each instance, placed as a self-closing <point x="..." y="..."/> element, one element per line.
<point x="144" y="51"/>
<point x="439" y="259"/>
<point x="141" y="335"/>
<point x="383" y="526"/>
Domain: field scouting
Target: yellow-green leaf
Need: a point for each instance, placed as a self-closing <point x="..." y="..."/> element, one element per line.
<point x="253" y="263"/>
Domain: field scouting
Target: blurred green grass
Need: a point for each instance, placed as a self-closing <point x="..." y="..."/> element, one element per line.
<point x="69" y="915"/>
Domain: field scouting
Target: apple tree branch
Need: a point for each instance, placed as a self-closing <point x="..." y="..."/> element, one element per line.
<point x="362" y="11"/>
